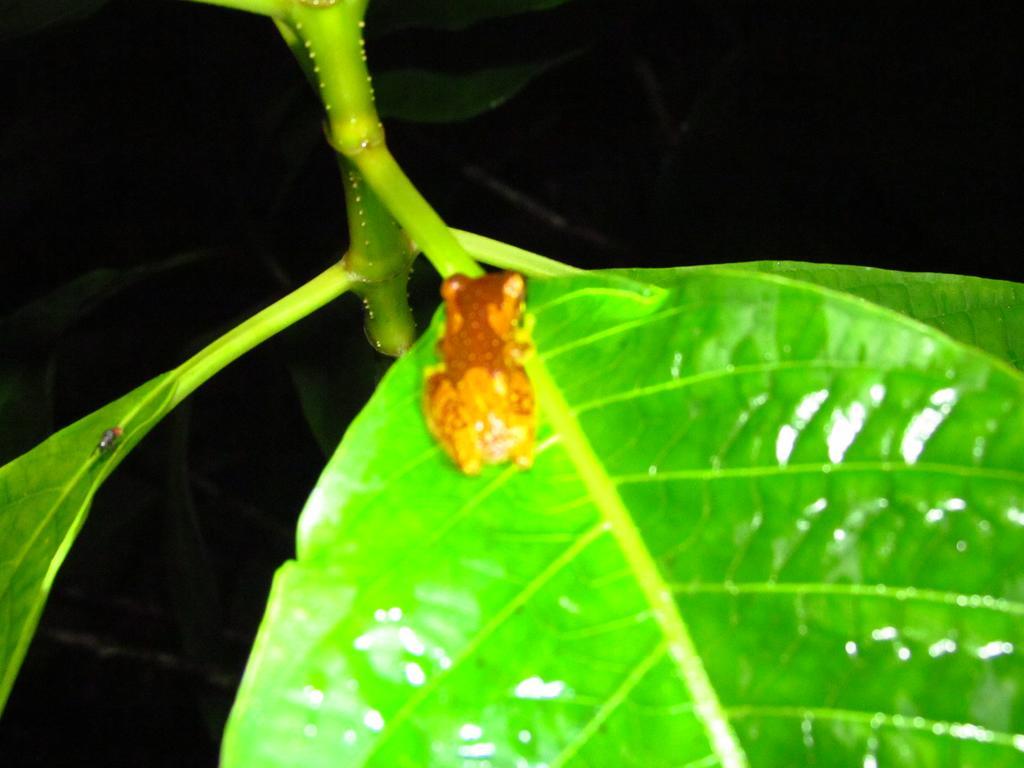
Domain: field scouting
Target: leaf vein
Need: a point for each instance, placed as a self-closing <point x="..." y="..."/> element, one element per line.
<point x="518" y="600"/>
<point x="876" y="720"/>
<point x="732" y="370"/>
<point x="611" y="704"/>
<point x="883" y="591"/>
<point x="612" y="330"/>
<point x="706" y="474"/>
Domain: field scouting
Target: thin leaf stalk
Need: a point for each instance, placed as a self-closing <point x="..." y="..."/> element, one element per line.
<point x="321" y="290"/>
<point x="379" y="259"/>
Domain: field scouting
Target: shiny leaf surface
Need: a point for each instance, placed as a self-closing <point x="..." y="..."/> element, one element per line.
<point x="777" y="525"/>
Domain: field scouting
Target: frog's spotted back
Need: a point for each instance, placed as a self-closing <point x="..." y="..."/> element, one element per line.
<point x="481" y="318"/>
<point x="479" y="403"/>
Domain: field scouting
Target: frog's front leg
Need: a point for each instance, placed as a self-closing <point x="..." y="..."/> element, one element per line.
<point x="520" y="345"/>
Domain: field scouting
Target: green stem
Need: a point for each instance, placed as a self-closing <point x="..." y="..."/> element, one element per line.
<point x="379" y="259"/>
<point x="499" y="254"/>
<point x="333" y="43"/>
<point x="319" y="291"/>
<point x="414" y="213"/>
<point x="326" y="36"/>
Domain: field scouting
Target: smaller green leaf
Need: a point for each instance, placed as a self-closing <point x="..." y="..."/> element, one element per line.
<point x="24" y="17"/>
<point x="391" y="15"/>
<point x="45" y="496"/>
<point x="423" y="96"/>
<point x="46" y="493"/>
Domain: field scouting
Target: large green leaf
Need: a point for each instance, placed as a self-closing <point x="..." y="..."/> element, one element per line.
<point x="772" y="525"/>
<point x="988" y="314"/>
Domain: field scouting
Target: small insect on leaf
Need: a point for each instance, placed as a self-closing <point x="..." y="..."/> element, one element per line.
<point x="108" y="439"/>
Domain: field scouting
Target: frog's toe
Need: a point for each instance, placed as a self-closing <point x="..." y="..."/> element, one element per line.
<point x="524" y="460"/>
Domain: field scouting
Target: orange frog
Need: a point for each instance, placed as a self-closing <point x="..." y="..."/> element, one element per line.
<point x="478" y="401"/>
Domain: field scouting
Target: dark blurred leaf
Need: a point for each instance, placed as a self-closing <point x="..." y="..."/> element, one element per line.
<point x="438" y="97"/>
<point x="190" y="578"/>
<point x="389" y="15"/>
<point x="320" y="405"/>
<point x="21" y="384"/>
<point x="188" y="570"/>
<point x="28" y="337"/>
<point x="23" y="17"/>
<point x="43" y="320"/>
<point x="333" y="372"/>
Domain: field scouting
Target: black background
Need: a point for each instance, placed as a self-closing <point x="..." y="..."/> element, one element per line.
<point x="681" y="133"/>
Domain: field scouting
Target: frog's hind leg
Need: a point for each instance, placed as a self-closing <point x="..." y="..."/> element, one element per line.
<point x="449" y="423"/>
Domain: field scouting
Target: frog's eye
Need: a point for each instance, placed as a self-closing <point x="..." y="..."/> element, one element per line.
<point x="514" y="285"/>
<point x="452" y="285"/>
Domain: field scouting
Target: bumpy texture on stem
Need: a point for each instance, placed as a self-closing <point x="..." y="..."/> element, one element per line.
<point x="326" y="38"/>
<point x="329" y="42"/>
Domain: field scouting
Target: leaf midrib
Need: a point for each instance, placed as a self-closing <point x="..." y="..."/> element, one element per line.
<point x="879" y="591"/>
<point x="604" y="493"/>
